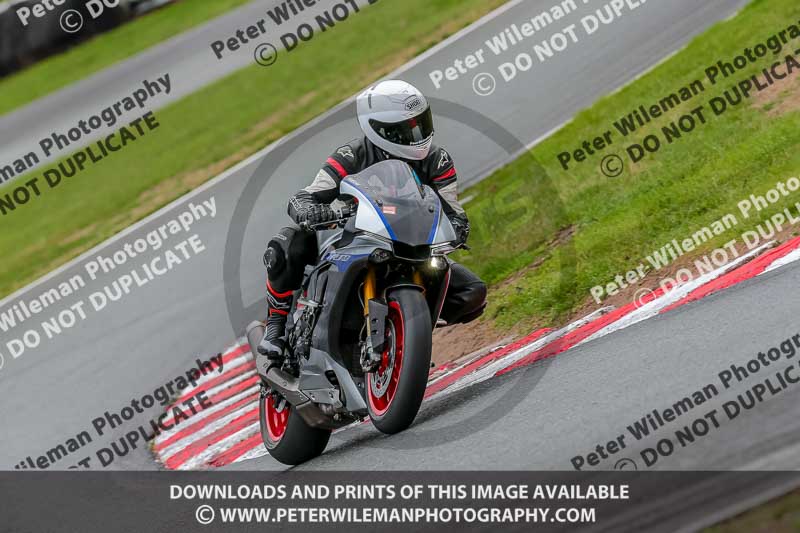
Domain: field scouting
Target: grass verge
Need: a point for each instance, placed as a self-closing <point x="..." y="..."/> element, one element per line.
<point x="214" y="128"/>
<point x="543" y="237"/>
<point x="778" y="516"/>
<point x="106" y="49"/>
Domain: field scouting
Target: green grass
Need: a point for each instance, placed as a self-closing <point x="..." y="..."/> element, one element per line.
<point x="219" y="125"/>
<point x="779" y="516"/>
<point x="106" y="49"/>
<point x="617" y="222"/>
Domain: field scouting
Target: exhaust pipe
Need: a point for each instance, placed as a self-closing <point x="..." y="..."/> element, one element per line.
<point x="281" y="382"/>
<point x="255" y="332"/>
<point x="288" y="386"/>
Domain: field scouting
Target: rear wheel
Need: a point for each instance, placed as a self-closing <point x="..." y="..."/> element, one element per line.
<point x="395" y="390"/>
<point x="286" y="435"/>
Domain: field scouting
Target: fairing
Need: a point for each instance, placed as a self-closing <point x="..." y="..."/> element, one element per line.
<point x="394" y="205"/>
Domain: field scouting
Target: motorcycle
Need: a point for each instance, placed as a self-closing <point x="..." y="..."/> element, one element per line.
<point x="360" y="327"/>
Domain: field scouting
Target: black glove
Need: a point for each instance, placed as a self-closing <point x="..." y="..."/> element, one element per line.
<point x="462" y="231"/>
<point x="319" y="214"/>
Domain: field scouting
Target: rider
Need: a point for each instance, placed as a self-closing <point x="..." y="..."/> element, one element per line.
<point x="397" y="123"/>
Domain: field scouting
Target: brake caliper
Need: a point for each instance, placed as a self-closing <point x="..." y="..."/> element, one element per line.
<point x="370" y="360"/>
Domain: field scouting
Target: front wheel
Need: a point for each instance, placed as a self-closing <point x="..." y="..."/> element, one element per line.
<point x="286" y="435"/>
<point x="395" y="390"/>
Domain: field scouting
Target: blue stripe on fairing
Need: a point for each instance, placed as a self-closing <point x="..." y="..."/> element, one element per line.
<point x="432" y="234"/>
<point x="377" y="210"/>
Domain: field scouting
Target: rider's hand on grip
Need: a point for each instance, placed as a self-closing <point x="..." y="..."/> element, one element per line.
<point x="316" y="215"/>
<point x="462" y="233"/>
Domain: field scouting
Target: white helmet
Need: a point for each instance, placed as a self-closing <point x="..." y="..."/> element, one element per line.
<point x="395" y="116"/>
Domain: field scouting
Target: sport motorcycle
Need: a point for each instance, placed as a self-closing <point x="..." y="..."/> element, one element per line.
<point x="358" y="335"/>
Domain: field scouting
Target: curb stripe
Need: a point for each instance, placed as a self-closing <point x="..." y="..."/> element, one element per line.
<point x="654" y="306"/>
<point x="201" y="460"/>
<point x="222" y="378"/>
<point x="471" y="367"/>
<point x="750" y="270"/>
<point x="491" y="369"/>
<point x="571" y="339"/>
<point x="237" y="451"/>
<point x="214" y="428"/>
<point x="211" y="412"/>
<point x="224" y="395"/>
<point x="236" y="425"/>
<point x="202" y="423"/>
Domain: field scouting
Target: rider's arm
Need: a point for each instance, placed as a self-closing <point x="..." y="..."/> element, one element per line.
<point x="325" y="187"/>
<point x="445" y="181"/>
<point x="323" y="190"/>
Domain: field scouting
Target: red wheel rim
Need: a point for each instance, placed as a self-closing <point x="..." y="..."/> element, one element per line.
<point x="276" y="420"/>
<point x="383" y="383"/>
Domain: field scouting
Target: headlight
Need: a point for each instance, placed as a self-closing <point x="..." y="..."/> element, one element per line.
<point x="437" y="263"/>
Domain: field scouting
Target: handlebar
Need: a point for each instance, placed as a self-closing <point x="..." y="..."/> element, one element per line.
<point x="347" y="211"/>
<point x="343" y="214"/>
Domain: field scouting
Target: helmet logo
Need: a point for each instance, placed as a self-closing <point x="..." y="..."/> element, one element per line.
<point x="413" y="103"/>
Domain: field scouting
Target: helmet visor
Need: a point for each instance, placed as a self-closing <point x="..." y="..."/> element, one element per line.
<point x="408" y="132"/>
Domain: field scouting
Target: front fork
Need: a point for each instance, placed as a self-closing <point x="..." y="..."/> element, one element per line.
<point x="375" y="313"/>
<point x="370" y="289"/>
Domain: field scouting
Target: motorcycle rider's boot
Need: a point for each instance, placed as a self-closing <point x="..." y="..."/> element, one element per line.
<point x="273" y="344"/>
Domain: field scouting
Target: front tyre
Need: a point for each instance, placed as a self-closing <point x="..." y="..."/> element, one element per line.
<point x="286" y="435"/>
<point x="395" y="390"/>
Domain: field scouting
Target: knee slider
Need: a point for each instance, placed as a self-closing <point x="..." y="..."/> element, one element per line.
<point x="274" y="258"/>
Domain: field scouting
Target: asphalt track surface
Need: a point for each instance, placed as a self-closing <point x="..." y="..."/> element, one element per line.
<point x="541" y="416"/>
<point x="566" y="406"/>
<point x="187" y="58"/>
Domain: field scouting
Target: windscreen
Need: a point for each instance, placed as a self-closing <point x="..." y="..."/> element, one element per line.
<point x="397" y="198"/>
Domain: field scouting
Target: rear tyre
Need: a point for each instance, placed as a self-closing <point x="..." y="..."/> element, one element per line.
<point x="286" y="435"/>
<point x="396" y="389"/>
